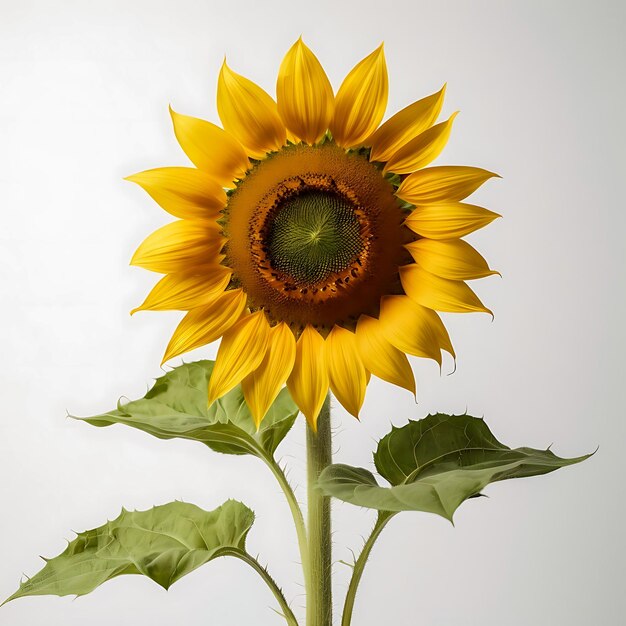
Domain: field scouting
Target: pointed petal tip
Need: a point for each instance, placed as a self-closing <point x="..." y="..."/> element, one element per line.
<point x="449" y="373"/>
<point x="454" y="368"/>
<point x="490" y="174"/>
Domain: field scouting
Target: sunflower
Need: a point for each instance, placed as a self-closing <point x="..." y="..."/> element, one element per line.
<point x="311" y="239"/>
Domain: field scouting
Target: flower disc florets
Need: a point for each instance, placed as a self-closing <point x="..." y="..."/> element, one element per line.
<point x="315" y="236"/>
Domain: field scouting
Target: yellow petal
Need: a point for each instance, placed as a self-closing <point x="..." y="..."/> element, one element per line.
<point x="445" y="183"/>
<point x="414" y="329"/>
<point x="440" y="294"/>
<point x="348" y="379"/>
<point x="261" y="387"/>
<point x="184" y="291"/>
<point x="361" y="101"/>
<point x="180" y="246"/>
<point x="449" y="221"/>
<point x="453" y="258"/>
<point x="249" y="113"/>
<point x="210" y="148"/>
<point x="304" y="94"/>
<point x="380" y="357"/>
<point x="419" y="152"/>
<point x="206" y="324"/>
<point x="405" y="125"/>
<point x="184" y="192"/>
<point x="308" y="382"/>
<point x="241" y="351"/>
<point x="291" y="138"/>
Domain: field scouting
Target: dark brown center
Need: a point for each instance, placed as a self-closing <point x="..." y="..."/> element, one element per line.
<point x="315" y="236"/>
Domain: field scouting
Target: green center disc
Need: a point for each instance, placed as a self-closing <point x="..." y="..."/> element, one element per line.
<point x="314" y="235"/>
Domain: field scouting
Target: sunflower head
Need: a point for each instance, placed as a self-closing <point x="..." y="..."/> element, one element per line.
<point x="315" y="242"/>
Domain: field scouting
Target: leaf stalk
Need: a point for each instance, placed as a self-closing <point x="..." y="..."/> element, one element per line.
<point x="287" y="613"/>
<point x="359" y="566"/>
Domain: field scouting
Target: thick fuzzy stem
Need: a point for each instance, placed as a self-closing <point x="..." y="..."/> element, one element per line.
<point x="319" y="455"/>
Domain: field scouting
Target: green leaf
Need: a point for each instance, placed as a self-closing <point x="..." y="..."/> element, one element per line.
<point x="163" y="543"/>
<point x="177" y="406"/>
<point x="434" y="465"/>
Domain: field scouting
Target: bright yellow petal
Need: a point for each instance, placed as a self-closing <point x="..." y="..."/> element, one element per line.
<point x="440" y="332"/>
<point x="241" y="351"/>
<point x="439" y="294"/>
<point x="420" y="151"/>
<point x="291" y="137"/>
<point x="184" y="291"/>
<point x="304" y="94"/>
<point x="449" y="221"/>
<point x="206" y="324"/>
<point x="184" y="192"/>
<point x="453" y="259"/>
<point x="414" y="329"/>
<point x="380" y="357"/>
<point x="361" y="101"/>
<point x="308" y="383"/>
<point x="405" y="125"/>
<point x="249" y="114"/>
<point x="261" y="387"/>
<point x="210" y="148"/>
<point x="180" y="246"/>
<point x="445" y="183"/>
<point x="348" y="379"/>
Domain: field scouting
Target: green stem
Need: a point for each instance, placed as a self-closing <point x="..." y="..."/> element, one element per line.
<point x="287" y="613"/>
<point x="319" y="605"/>
<point x="296" y="513"/>
<point x="359" y="566"/>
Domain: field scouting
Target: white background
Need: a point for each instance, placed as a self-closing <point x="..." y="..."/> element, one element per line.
<point x="83" y="103"/>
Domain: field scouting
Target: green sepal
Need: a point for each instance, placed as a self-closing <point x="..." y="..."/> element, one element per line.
<point x="434" y="465"/>
<point x="163" y="543"/>
<point x="393" y="179"/>
<point x="177" y="407"/>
